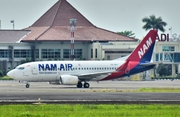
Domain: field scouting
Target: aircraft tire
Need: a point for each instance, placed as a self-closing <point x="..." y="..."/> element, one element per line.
<point x="27" y="85"/>
<point x="79" y="85"/>
<point x="86" y="85"/>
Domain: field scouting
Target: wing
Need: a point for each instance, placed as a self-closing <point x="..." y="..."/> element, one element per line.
<point x="95" y="75"/>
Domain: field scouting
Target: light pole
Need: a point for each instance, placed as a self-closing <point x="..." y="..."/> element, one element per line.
<point x="12" y="21"/>
<point x="72" y="29"/>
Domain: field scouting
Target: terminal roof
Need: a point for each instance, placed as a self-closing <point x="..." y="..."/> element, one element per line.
<point x="54" y="26"/>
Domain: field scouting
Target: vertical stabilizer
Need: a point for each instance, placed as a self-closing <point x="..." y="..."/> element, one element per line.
<point x="144" y="50"/>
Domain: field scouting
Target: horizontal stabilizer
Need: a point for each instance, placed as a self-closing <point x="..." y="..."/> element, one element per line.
<point x="147" y="64"/>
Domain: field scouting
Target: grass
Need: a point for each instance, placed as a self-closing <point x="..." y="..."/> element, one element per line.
<point x="90" y="110"/>
<point x="137" y="90"/>
<point x="5" y="78"/>
<point x="159" y="90"/>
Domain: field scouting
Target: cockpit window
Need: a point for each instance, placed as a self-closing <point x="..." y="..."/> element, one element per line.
<point x="20" y="68"/>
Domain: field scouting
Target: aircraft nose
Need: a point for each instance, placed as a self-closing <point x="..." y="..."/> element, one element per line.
<point x="10" y="74"/>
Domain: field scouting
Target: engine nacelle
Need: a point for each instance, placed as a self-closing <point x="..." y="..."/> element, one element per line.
<point x="68" y="80"/>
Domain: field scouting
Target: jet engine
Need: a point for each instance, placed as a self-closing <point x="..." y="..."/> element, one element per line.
<point x="68" y="80"/>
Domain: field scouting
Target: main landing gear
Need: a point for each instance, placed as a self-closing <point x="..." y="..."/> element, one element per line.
<point x="86" y="85"/>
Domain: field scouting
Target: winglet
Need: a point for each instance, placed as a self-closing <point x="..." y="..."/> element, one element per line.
<point x="143" y="52"/>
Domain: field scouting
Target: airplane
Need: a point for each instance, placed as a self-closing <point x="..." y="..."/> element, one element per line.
<point x="76" y="72"/>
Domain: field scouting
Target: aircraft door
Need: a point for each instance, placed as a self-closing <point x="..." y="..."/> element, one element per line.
<point x="34" y="69"/>
<point x="27" y="71"/>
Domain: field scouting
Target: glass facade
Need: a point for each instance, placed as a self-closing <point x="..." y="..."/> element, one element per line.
<point x="78" y="53"/>
<point x="45" y="53"/>
<point x="170" y="57"/>
<point x="22" y="53"/>
<point x="50" y="53"/>
<point x="67" y="53"/>
<point x="168" y="48"/>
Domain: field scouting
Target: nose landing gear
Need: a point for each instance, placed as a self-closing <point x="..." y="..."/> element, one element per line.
<point x="27" y="85"/>
<point x="25" y="82"/>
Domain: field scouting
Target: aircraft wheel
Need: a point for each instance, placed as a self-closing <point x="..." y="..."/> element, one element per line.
<point x="86" y="85"/>
<point x="27" y="85"/>
<point x="79" y="85"/>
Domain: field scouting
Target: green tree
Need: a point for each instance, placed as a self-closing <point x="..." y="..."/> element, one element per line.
<point x="154" y="23"/>
<point x="127" y="33"/>
<point x="163" y="70"/>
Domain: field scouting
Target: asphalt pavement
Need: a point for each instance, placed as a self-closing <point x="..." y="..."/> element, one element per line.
<point x="99" y="92"/>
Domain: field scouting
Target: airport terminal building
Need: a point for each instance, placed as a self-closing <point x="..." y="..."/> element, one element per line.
<point x="49" y="38"/>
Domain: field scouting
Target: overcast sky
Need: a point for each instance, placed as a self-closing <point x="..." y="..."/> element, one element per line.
<point x="113" y="15"/>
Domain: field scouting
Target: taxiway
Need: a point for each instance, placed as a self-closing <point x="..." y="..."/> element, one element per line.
<point x="102" y="92"/>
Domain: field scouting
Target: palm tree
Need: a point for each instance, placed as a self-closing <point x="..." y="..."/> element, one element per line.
<point x="127" y="33"/>
<point x="154" y="23"/>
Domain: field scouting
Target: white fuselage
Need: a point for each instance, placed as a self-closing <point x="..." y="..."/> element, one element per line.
<point x="51" y="70"/>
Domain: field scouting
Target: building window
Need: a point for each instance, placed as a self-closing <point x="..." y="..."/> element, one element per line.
<point x="96" y="53"/>
<point x="50" y="53"/>
<point x="22" y="53"/>
<point x="57" y="53"/>
<point x="168" y="48"/>
<point x="66" y="53"/>
<point x="108" y="57"/>
<point x="157" y="57"/>
<point x="78" y="53"/>
<point x="44" y="53"/>
<point x="91" y="53"/>
<point x="4" y="53"/>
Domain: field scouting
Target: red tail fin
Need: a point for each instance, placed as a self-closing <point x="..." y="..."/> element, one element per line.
<point x="143" y="52"/>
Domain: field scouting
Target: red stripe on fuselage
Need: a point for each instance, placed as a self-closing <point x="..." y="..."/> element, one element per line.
<point x="119" y="73"/>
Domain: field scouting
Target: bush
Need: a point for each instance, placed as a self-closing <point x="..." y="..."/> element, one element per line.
<point x="1" y="73"/>
<point x="5" y="78"/>
<point x="178" y="76"/>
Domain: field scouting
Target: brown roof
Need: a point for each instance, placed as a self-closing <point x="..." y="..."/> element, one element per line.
<point x="12" y="36"/>
<point x="54" y="26"/>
